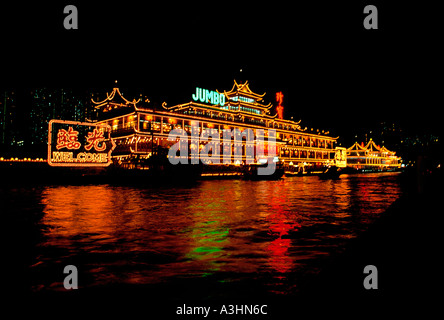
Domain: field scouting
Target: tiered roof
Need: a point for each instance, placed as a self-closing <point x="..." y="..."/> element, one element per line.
<point x="369" y="147"/>
<point x="372" y="147"/>
<point x="114" y="100"/>
<point x="244" y="89"/>
<point x="356" y="147"/>
<point x="242" y="94"/>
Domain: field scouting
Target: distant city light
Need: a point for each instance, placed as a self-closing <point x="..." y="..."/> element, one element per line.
<point x="16" y="159"/>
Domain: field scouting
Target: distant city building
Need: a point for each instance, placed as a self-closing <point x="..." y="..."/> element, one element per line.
<point x="9" y="124"/>
<point x="24" y="115"/>
<point x="50" y="104"/>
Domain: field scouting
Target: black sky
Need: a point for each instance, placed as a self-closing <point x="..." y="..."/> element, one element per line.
<point x="333" y="72"/>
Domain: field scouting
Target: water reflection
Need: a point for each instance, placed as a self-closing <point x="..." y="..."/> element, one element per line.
<point x="226" y="229"/>
<point x="281" y="222"/>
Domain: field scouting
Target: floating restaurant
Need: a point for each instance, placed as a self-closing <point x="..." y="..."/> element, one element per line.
<point x="139" y="130"/>
<point x="372" y="157"/>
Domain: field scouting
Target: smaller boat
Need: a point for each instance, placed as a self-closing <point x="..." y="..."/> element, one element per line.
<point x="295" y="170"/>
<point x="292" y="171"/>
<point x="292" y="174"/>
<point x="253" y="172"/>
<point x="332" y="172"/>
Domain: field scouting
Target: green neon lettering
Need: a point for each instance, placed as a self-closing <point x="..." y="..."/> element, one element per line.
<point x="202" y="96"/>
<point x="222" y="99"/>
<point x="215" y="98"/>
<point x="208" y="96"/>
<point x="196" y="95"/>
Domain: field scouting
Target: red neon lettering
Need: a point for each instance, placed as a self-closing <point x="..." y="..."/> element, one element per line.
<point x="94" y="138"/>
<point x="280" y="107"/>
<point x="68" y="139"/>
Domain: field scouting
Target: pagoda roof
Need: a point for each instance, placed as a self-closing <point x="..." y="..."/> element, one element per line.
<point x="116" y="98"/>
<point x="244" y="90"/>
<point x="370" y="146"/>
<point x="384" y="149"/>
<point x="356" y="147"/>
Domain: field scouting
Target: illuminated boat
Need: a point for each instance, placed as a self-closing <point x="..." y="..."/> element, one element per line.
<point x="139" y="129"/>
<point x="371" y="158"/>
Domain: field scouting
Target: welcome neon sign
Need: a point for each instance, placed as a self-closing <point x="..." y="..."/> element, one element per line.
<point x="207" y="96"/>
<point x="79" y="144"/>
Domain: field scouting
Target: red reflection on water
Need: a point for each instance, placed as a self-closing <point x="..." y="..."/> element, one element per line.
<point x="364" y="192"/>
<point x="281" y="224"/>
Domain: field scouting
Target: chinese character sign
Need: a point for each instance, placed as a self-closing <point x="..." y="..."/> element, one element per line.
<point x="94" y="139"/>
<point x="67" y="139"/>
<point x="77" y="144"/>
<point x="280" y="107"/>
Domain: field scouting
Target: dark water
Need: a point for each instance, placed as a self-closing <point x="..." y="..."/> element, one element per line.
<point x="227" y="232"/>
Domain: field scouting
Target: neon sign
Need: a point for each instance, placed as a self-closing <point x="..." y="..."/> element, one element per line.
<point x="79" y="144"/>
<point x="207" y="96"/>
<point x="280" y="107"/>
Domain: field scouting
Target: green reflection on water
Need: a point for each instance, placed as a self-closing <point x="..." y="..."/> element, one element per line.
<point x="209" y="247"/>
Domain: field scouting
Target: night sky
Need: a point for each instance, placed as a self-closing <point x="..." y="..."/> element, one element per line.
<point x="334" y="74"/>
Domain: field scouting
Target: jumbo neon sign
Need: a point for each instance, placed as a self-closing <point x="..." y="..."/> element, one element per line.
<point x="79" y="144"/>
<point x="207" y="96"/>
